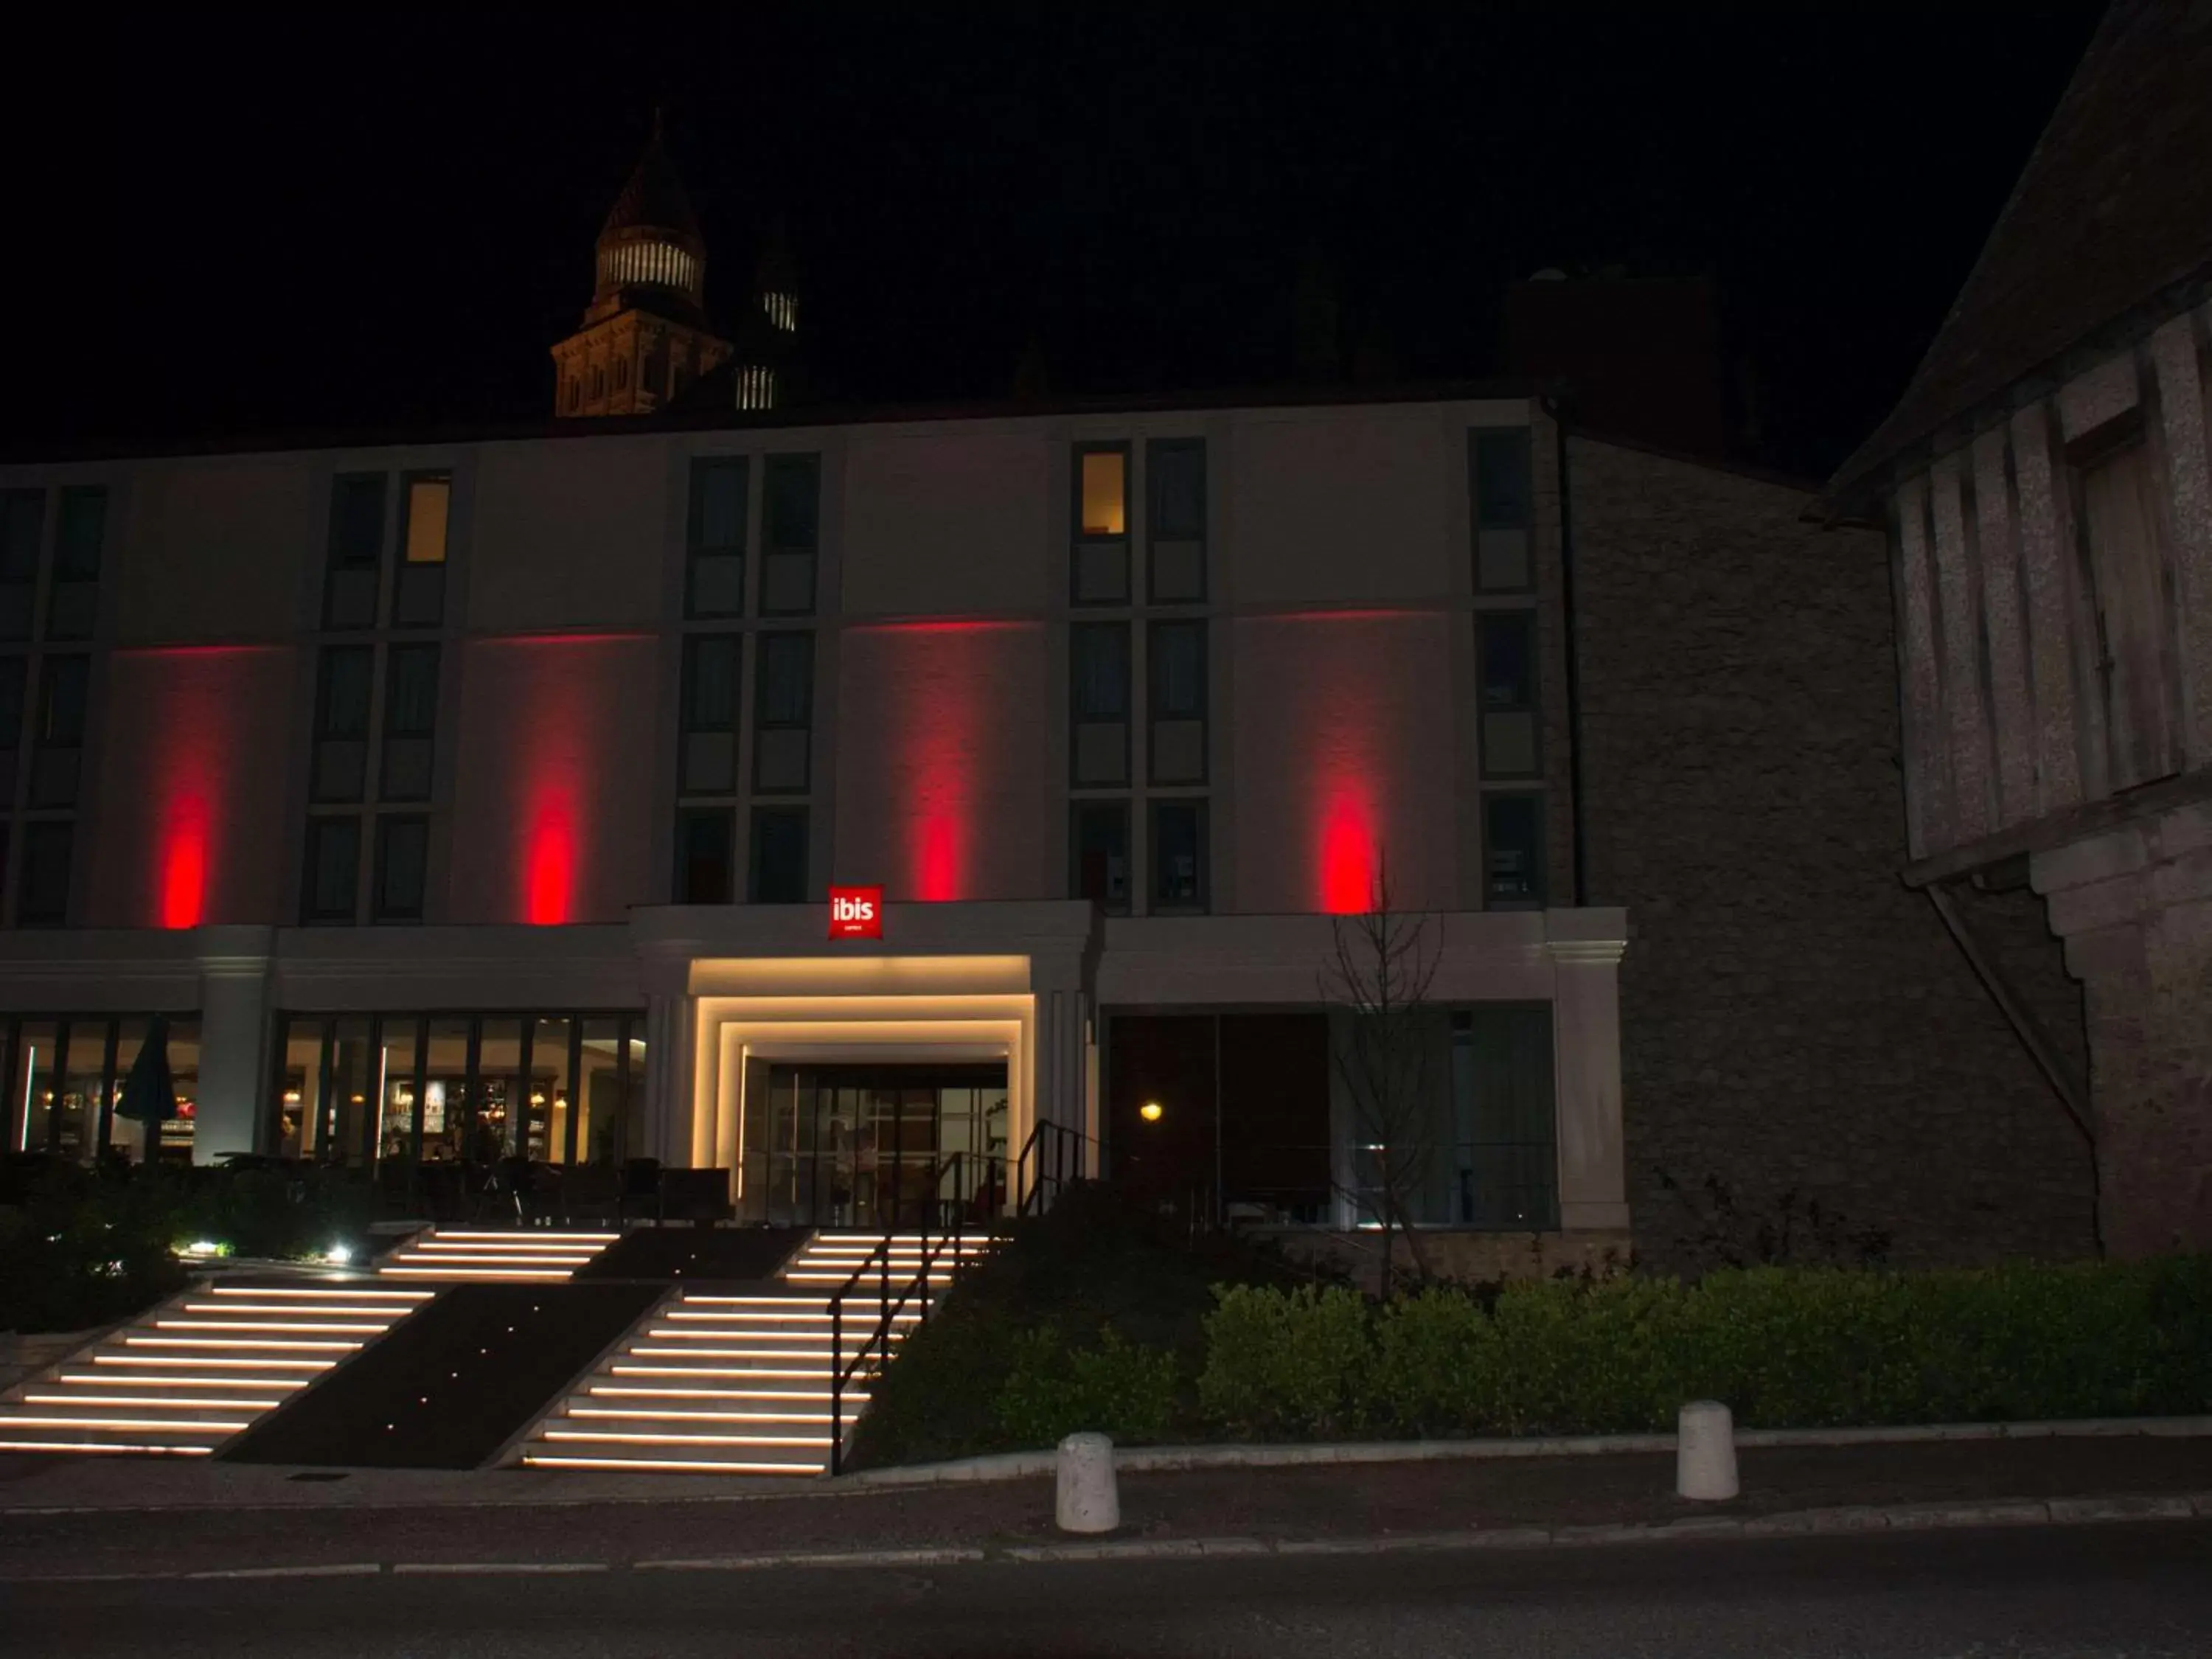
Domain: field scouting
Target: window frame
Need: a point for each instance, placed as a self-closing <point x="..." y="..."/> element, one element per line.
<point x="1157" y="450"/>
<point x="1526" y="619"/>
<point x="1157" y="808"/>
<point x="1539" y="856"/>
<point x="697" y="547"/>
<point x="380" y="908"/>
<point x="320" y="825"/>
<point x="679" y="885"/>
<point x="1077" y="810"/>
<point x="775" y="468"/>
<point x="1077" y="718"/>
<point x="1080" y="539"/>
<point x="756" y="841"/>
<point x="1156" y="630"/>
<point x="1484" y="516"/>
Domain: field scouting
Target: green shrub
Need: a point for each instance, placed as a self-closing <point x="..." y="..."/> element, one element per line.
<point x="1284" y="1362"/>
<point x="1117" y="1387"/>
<point x="1437" y="1364"/>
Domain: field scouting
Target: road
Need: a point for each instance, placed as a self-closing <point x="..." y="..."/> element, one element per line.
<point x="2137" y="1591"/>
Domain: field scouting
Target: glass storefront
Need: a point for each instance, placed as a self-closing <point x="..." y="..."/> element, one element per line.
<point x="872" y="1146"/>
<point x="64" y="1074"/>
<point x="556" y="1088"/>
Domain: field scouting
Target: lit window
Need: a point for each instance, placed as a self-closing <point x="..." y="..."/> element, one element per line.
<point x="1105" y="492"/>
<point x="427" y="500"/>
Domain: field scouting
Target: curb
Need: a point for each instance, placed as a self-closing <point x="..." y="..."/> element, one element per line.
<point x="1854" y="1521"/>
<point x="1028" y="1465"/>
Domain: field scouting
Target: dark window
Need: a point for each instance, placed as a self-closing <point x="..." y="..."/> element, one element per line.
<point x="22" y="522"/>
<point x="1513" y="852"/>
<point x="1179" y="855"/>
<point x="702" y="856"/>
<point x="81" y="534"/>
<point x="43" y="897"/>
<point x="12" y="675"/>
<point x="1507" y="641"/>
<point x="790" y="529"/>
<point x="783" y="713"/>
<point x="56" y="761"/>
<point x="356" y="548"/>
<point x="1102" y="525"/>
<point x="1506" y="1167"/>
<point x="779" y="855"/>
<point x="714" y="584"/>
<point x="1099" y="702"/>
<point x="333" y="869"/>
<point x="403" y="852"/>
<point x="1177" y="669"/>
<point x="1176" y="473"/>
<point x="710" y="713"/>
<point x="410" y="720"/>
<point x="1099" y="839"/>
<point x="342" y="705"/>
<point x="1498" y="473"/>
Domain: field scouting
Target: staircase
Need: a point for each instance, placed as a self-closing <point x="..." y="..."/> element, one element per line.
<point x="516" y="1256"/>
<point x="187" y="1375"/>
<point x="733" y="1384"/>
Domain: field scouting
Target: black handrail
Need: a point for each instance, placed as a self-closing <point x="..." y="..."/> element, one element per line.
<point x="878" y="1343"/>
<point x="1063" y="1148"/>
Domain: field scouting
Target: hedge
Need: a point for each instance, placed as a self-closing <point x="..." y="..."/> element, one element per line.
<point x="1784" y="1348"/>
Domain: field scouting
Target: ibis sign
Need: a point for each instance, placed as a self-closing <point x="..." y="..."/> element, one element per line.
<point x="856" y="913"/>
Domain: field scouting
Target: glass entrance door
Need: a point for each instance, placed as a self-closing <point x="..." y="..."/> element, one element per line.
<point x="871" y="1147"/>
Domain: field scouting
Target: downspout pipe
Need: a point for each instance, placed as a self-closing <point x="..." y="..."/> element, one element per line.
<point x="1579" y="863"/>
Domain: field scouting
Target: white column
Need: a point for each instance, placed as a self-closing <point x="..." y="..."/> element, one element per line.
<point x="672" y="1135"/>
<point x="233" y="1046"/>
<point x="1586" y="1038"/>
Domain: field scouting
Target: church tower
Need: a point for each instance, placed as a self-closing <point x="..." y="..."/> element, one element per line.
<point x="645" y="336"/>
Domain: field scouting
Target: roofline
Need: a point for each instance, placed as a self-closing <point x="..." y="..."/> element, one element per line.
<point x="662" y="421"/>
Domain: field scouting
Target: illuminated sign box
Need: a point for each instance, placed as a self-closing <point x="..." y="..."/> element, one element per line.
<point x="856" y="913"/>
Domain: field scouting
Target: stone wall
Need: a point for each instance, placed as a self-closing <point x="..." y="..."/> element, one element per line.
<point x="1794" y="1021"/>
<point x="2134" y="907"/>
<point x="1465" y="1256"/>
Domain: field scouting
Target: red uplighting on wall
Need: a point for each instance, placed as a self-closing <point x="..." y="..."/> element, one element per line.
<point x="551" y="862"/>
<point x="185" y="862"/>
<point x="1347" y="857"/>
<point x="940" y="859"/>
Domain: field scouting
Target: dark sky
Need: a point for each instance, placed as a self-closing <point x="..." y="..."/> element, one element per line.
<point x="237" y="225"/>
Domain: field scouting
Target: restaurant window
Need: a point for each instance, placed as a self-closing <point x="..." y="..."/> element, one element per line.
<point x="1099" y="842"/>
<point x="790" y="533"/>
<point x="1508" y="670"/>
<point x="783" y="713"/>
<point x="61" y="1077"/>
<point x="342" y="703"/>
<point x="356" y="550"/>
<point x="710" y="713"/>
<point x="1504" y="1168"/>
<point x="702" y="855"/>
<point x="778" y="856"/>
<point x="80" y="534"/>
<point x="1099" y="703"/>
<point x="715" y="578"/>
<point x="332" y="870"/>
<point x="1176" y="655"/>
<point x="410" y="720"/>
<point x="1102" y="525"/>
<point x="43" y="887"/>
<point x="419" y="599"/>
<point x="23" y="526"/>
<point x="1179" y="855"/>
<point x="1500" y="472"/>
<point x="1175" y="469"/>
<point x="1513" y="852"/>
<point x="58" y="759"/>
<point x="403" y="852"/>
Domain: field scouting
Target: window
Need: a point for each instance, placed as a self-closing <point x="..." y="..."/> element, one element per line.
<point x="790" y="530"/>
<point x="342" y="703"/>
<point x="1505" y="1171"/>
<point x="1102" y="525"/>
<point x="2121" y="522"/>
<point x="12" y="676"/>
<point x="783" y="711"/>
<point x="1513" y="852"/>
<point x="1179" y="855"/>
<point x="779" y="861"/>
<point x="1177" y="711"/>
<point x="710" y="713"/>
<point x="357" y="547"/>
<point x="22" y="523"/>
<point x="1099" y="840"/>
<point x="714" y="583"/>
<point x="1175" y="469"/>
<point x="702" y="856"/>
<point x="599" y="381"/>
<point x="1099" y="705"/>
<point x="333" y="868"/>
<point x="72" y="603"/>
<point x="411" y="721"/>
<point x="1498" y="469"/>
<point x="43" y="901"/>
<point x="622" y="372"/>
<point x="1508" y="667"/>
<point x="419" y="599"/>
<point x="57" y="760"/>
<point x="403" y="850"/>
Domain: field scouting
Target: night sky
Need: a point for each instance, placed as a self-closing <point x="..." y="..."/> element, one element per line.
<point x="235" y="226"/>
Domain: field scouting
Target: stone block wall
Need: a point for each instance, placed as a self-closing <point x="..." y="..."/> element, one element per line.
<point x="1462" y="1255"/>
<point x="1794" y="1020"/>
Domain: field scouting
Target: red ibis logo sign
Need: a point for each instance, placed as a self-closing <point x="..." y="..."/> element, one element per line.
<point x="856" y="913"/>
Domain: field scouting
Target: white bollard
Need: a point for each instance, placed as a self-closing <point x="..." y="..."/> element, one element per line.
<point x="1087" y="1500"/>
<point x="1704" y="1452"/>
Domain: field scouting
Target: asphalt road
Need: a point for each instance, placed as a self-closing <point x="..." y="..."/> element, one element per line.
<point x="2039" y="1593"/>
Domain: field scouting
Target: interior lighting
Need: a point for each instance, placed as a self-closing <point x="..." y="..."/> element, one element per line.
<point x="1150" y="1111"/>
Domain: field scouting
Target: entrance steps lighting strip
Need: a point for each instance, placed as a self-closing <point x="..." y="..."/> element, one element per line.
<point x="159" y="1359"/>
<point x="607" y="1412"/>
<point x="281" y="1385"/>
<point x="672" y="1464"/>
<point x="606" y="1436"/>
<point x="606" y="1391"/>
<point x="138" y="1424"/>
<point x="346" y="1290"/>
<point x="102" y="1402"/>
<point x="294" y="1311"/>
<point x="238" y="1342"/>
<point x="765" y="1371"/>
<point x="100" y="1446"/>
<point x="268" y="1325"/>
<point x="531" y="1235"/>
<point x="482" y="1273"/>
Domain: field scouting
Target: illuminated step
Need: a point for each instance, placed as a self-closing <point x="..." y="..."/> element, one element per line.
<point x="480" y="1273"/>
<point x="533" y="1236"/>
<point x="350" y="1292"/>
<point x="132" y="1400"/>
<point x="269" y="1325"/>
<point x="298" y="1310"/>
<point x="138" y="1380"/>
<point x="10" y="1421"/>
<point x="281" y="1344"/>
<point x="811" y="1373"/>
<point x="620" y="1392"/>
<point x="613" y="1438"/>
<point x="666" y="1465"/>
<point x="103" y="1446"/>
<point x="614" y="1414"/>
<point x="162" y="1360"/>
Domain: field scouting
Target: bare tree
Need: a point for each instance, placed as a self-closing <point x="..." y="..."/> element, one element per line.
<point x="1378" y="972"/>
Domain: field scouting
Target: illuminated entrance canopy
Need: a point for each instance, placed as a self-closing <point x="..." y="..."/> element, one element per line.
<point x="856" y="913"/>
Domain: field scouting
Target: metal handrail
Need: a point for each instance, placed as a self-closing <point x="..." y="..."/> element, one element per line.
<point x="1061" y="1141"/>
<point x="842" y="1371"/>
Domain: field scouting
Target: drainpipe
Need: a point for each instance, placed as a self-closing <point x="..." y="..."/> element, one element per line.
<point x="1573" y="662"/>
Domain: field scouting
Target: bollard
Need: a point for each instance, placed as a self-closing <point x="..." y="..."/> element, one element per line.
<point x="1087" y="1500"/>
<point x="1704" y="1452"/>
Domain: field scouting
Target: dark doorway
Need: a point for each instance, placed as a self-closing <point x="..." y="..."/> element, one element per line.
<point x="871" y="1146"/>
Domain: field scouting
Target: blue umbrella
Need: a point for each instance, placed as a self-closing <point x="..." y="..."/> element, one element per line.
<point x="149" y="1093"/>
